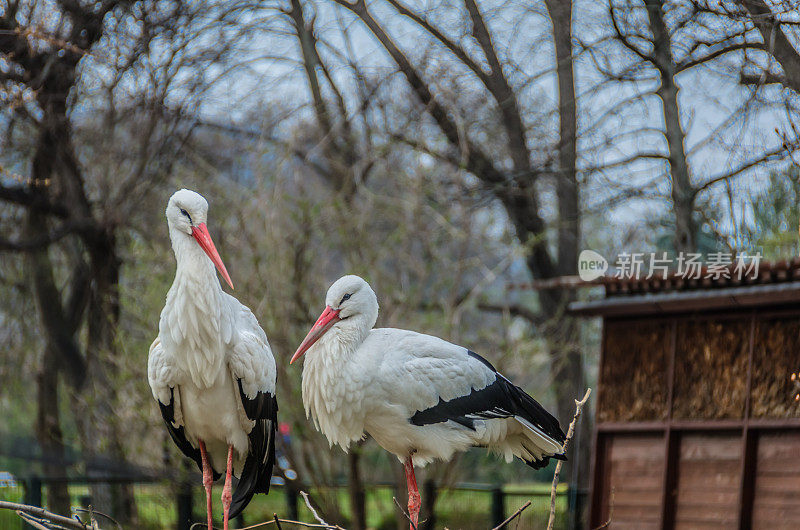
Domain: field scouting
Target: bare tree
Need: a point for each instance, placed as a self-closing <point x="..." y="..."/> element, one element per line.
<point x="663" y="41"/>
<point x="73" y="212"/>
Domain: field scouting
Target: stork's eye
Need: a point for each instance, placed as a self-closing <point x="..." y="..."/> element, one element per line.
<point x="184" y="212"/>
<point x="345" y="298"/>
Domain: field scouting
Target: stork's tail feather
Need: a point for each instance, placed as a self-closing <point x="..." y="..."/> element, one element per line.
<point x="536" y="450"/>
<point x="257" y="472"/>
<point x="542" y="437"/>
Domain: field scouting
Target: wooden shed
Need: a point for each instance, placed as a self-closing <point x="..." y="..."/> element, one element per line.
<point x="697" y="421"/>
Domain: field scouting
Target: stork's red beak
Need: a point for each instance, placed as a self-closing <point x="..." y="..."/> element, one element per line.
<point x="200" y="233"/>
<point x="328" y="318"/>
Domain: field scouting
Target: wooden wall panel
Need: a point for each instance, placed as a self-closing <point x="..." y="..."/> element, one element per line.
<point x="709" y="468"/>
<point x="776" y="504"/>
<point x="633" y="481"/>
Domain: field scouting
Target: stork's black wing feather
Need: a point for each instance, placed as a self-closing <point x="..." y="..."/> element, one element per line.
<point x="178" y="435"/>
<point x="257" y="470"/>
<point x="500" y="399"/>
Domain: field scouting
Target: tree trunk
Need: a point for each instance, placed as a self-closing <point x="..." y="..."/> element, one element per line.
<point x="103" y="318"/>
<point x="48" y="432"/>
<point x="682" y="191"/>
<point x="60" y="349"/>
<point x="566" y="178"/>
<point x="567" y="362"/>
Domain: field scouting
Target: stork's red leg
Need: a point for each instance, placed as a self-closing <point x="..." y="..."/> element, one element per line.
<point x="226" y="490"/>
<point x="208" y="481"/>
<point x="413" y="493"/>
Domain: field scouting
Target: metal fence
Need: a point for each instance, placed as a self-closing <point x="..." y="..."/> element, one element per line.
<point x="167" y="505"/>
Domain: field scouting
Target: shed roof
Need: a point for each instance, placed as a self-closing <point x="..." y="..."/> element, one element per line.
<point x="773" y="284"/>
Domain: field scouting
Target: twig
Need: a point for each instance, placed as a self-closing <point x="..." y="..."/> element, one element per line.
<point x="313" y="511"/>
<point x="277" y="523"/>
<point x="570" y="432"/>
<point x="513" y="516"/>
<point x="273" y="521"/>
<point x="33" y="521"/>
<point x="407" y="516"/>
<point x="92" y="512"/>
<point x="44" y="514"/>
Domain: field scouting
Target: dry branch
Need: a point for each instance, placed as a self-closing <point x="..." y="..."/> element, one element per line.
<point x="31" y="520"/>
<point x="405" y="514"/>
<point x="40" y="514"/>
<point x="43" y="519"/>
<point x="276" y="522"/>
<point x="315" y="514"/>
<point x="512" y="516"/>
<point x="570" y="432"/>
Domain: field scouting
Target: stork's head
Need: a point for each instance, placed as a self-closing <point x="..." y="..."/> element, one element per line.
<point x="187" y="212"/>
<point x="350" y="302"/>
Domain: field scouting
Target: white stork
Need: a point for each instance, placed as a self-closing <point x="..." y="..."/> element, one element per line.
<point x="211" y="368"/>
<point x="418" y="396"/>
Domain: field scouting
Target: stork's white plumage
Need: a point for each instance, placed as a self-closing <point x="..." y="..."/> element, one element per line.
<point x="211" y="368"/>
<point x="415" y="394"/>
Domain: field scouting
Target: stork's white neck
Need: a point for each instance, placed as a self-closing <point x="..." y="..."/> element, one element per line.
<point x="344" y="338"/>
<point x="191" y="259"/>
<point x="330" y="380"/>
<point x="192" y="317"/>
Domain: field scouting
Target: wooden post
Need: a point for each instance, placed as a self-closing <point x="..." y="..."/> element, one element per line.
<point x="33" y="491"/>
<point x="748" y="479"/>
<point x="429" y="497"/>
<point x="291" y="502"/>
<point x="749" y="444"/>
<point x="671" y="441"/>
<point x="184" y="502"/>
<point x="498" y="506"/>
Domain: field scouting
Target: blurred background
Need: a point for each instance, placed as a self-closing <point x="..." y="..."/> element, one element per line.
<point x="457" y="155"/>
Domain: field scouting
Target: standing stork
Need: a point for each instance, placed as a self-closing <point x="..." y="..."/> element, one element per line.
<point x="418" y="396"/>
<point x="211" y="368"/>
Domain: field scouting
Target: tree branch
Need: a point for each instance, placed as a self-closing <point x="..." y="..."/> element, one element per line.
<point x="762" y="79"/>
<point x="689" y="64"/>
<point x="476" y="161"/>
<point x="448" y="43"/>
<point x="625" y="41"/>
<point x="570" y="432"/>
<point x="775" y="40"/>
<point x="42" y="513"/>
<point x="769" y="155"/>
<point x="515" y="310"/>
<point x="23" y="196"/>
<point x="514" y="190"/>
<point x="512" y="516"/>
<point x="43" y="240"/>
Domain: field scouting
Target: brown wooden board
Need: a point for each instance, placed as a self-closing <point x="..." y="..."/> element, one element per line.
<point x="708" y="480"/>
<point x="776" y="355"/>
<point x="632" y="486"/>
<point x="634" y="371"/>
<point x="711" y="369"/>
<point x="776" y="503"/>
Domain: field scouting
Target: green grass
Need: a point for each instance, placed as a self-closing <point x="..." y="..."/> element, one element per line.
<point x="8" y="519"/>
<point x="455" y="509"/>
